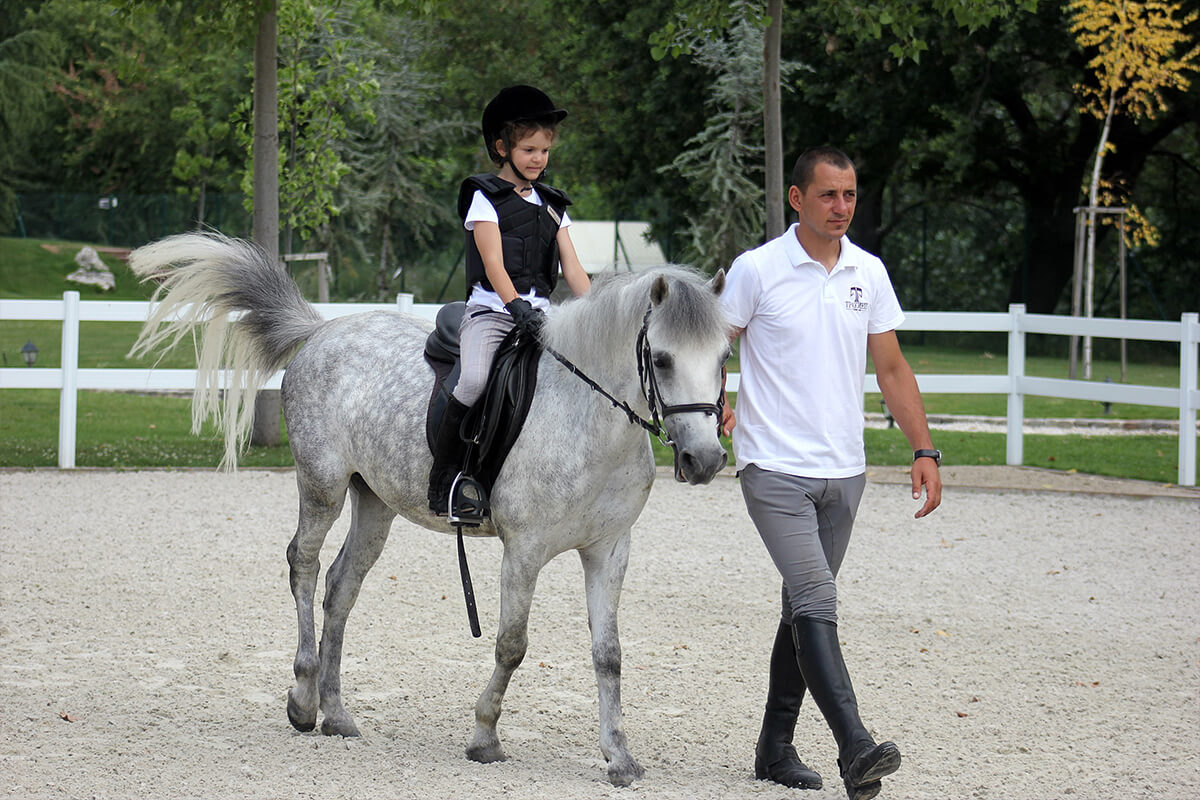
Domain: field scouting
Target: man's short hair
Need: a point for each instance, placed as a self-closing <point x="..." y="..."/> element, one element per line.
<point x="806" y="164"/>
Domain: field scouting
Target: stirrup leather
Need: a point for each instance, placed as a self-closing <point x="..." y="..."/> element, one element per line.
<point x="468" y="503"/>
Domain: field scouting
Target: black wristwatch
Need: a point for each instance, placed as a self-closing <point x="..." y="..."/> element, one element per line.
<point x="936" y="455"/>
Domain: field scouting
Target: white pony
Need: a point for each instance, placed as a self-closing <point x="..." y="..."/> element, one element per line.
<point x="355" y="397"/>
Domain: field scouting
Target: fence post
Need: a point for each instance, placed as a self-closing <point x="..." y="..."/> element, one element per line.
<point x="1014" y="448"/>
<point x="1189" y="338"/>
<point x="70" y="378"/>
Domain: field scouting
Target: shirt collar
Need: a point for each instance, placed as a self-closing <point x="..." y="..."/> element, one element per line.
<point x="848" y="258"/>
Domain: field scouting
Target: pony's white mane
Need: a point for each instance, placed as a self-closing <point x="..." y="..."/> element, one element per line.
<point x="599" y="328"/>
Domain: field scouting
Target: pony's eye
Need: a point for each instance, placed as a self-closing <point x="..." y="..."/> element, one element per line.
<point x="663" y="361"/>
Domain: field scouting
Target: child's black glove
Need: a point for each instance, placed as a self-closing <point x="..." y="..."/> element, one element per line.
<point x="525" y="316"/>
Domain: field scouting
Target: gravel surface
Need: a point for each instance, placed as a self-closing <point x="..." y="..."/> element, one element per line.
<point x="1023" y="642"/>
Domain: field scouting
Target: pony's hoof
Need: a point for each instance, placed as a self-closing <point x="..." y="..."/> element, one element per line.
<point x="301" y="718"/>
<point x="624" y="773"/>
<point x="339" y="726"/>
<point x="486" y="753"/>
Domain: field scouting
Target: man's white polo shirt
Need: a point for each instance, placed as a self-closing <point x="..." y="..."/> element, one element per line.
<point x="804" y="355"/>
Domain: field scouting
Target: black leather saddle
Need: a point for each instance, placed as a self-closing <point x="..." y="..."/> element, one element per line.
<point x="496" y="419"/>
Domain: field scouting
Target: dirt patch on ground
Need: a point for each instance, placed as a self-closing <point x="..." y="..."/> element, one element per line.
<point x="1026" y="641"/>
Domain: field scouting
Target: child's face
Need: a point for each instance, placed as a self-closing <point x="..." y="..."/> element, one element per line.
<point x="531" y="153"/>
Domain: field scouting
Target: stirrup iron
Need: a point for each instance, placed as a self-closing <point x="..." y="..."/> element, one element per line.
<point x="468" y="503"/>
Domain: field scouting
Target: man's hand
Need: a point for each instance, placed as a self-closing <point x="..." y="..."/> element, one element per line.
<point x="525" y="316"/>
<point x="925" y="474"/>
<point x="728" y="422"/>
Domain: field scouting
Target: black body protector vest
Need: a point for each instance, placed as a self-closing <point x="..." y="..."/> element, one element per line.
<point x="527" y="233"/>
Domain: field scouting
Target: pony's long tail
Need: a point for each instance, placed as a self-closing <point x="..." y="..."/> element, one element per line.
<point x="245" y="314"/>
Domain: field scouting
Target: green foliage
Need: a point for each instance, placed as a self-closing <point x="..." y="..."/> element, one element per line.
<point x="122" y="75"/>
<point x="724" y="161"/>
<point x="396" y="197"/>
<point x="25" y="57"/>
<point x="323" y="87"/>
<point x="903" y="24"/>
<point x="970" y="158"/>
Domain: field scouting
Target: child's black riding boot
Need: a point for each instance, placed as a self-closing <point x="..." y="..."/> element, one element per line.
<point x="449" y="450"/>
<point x="862" y="762"/>
<point x="775" y="758"/>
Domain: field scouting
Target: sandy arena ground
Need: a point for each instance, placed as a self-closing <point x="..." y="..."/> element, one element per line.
<point x="1036" y="639"/>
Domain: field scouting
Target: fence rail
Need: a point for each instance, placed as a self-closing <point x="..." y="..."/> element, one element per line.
<point x="69" y="379"/>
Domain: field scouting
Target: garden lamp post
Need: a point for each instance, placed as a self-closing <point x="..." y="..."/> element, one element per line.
<point x="29" y="353"/>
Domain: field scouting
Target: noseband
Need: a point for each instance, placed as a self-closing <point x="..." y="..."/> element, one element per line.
<point x="648" y="379"/>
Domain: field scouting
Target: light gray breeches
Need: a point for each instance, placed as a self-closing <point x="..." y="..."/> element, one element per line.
<point x="479" y="336"/>
<point x="805" y="524"/>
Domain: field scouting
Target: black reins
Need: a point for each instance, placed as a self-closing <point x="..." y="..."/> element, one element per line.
<point x="648" y="380"/>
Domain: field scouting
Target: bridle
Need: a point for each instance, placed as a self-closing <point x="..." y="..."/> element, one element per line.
<point x="658" y="412"/>
<point x="648" y="380"/>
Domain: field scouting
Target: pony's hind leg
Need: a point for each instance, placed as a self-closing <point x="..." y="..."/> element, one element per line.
<point x="371" y="520"/>
<point x="318" y="511"/>
<point x="604" y="571"/>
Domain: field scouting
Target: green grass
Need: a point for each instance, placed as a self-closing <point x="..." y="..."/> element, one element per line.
<point x="116" y="430"/>
<point x="128" y="431"/>
<point x="932" y="360"/>
<point x="1148" y="458"/>
<point x="37" y="269"/>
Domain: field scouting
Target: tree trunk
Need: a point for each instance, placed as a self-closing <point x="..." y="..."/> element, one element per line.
<point x="381" y="283"/>
<point x="772" y="121"/>
<point x="267" y="430"/>
<point x="1089" y="289"/>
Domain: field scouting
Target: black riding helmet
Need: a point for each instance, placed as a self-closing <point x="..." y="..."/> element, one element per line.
<point x="518" y="103"/>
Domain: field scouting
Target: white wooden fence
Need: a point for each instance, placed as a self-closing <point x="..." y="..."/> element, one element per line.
<point x="69" y="379"/>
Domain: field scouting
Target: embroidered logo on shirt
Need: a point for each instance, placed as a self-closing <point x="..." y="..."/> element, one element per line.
<point x="856" y="303"/>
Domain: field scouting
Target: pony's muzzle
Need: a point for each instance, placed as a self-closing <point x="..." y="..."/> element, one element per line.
<point x="699" y="468"/>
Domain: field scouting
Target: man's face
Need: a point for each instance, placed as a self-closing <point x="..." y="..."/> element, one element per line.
<point x="827" y="205"/>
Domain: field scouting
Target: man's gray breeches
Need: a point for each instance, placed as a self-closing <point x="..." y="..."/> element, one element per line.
<point x="805" y="524"/>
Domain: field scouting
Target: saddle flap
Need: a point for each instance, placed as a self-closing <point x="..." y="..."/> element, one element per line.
<point x="495" y="421"/>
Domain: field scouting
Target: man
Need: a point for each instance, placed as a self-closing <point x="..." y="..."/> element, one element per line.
<point x="809" y="306"/>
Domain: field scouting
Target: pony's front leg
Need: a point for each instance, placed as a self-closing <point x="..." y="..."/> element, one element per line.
<point x="604" y="571"/>
<point x="518" y="578"/>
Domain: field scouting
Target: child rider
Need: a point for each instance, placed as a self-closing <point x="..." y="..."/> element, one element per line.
<point x="516" y="240"/>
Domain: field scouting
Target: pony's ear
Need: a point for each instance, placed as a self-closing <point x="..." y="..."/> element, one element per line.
<point x="659" y="291"/>
<point x="717" y="284"/>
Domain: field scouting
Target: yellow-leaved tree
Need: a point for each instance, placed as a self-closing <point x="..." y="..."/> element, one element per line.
<point x="1138" y="49"/>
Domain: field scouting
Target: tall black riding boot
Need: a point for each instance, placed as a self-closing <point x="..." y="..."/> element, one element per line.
<point x="448" y="453"/>
<point x="862" y="762"/>
<point x="775" y="758"/>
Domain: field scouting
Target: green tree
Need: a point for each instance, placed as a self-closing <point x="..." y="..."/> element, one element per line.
<point x="323" y="87"/>
<point x="721" y="160"/>
<point x="698" y="21"/>
<point x="971" y="159"/>
<point x="394" y="202"/>
<point x="26" y="57"/>
<point x="1135" y="48"/>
